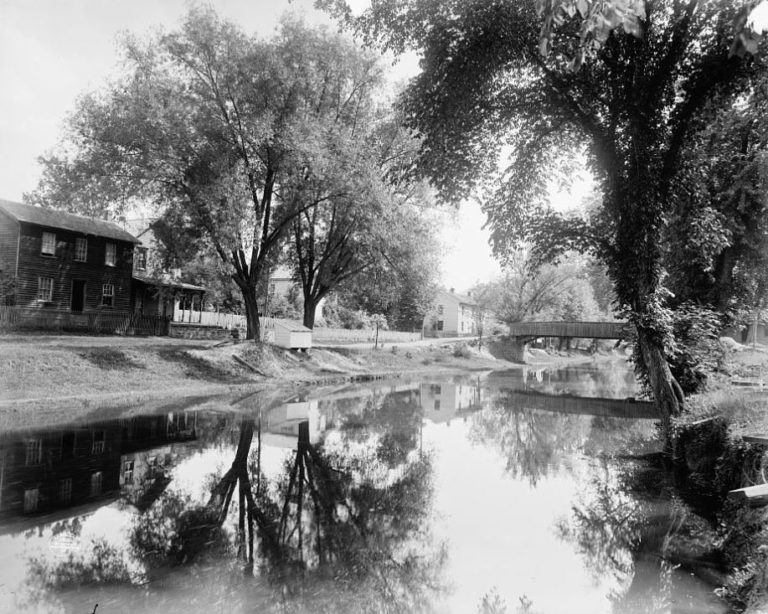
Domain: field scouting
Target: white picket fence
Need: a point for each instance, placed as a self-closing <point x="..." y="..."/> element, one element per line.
<point x="320" y="335"/>
<point x="344" y="335"/>
<point x="225" y="320"/>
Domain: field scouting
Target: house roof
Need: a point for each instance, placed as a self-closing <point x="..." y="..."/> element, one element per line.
<point x="30" y="214"/>
<point x="461" y="298"/>
<point x="281" y="273"/>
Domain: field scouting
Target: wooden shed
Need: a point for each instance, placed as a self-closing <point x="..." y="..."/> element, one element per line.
<point x="287" y="334"/>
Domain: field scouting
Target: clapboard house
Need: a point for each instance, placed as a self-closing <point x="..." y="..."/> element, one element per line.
<point x="62" y="262"/>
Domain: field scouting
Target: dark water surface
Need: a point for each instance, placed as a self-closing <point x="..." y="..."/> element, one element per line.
<point x="497" y="492"/>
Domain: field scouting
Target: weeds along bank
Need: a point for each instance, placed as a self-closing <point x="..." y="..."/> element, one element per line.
<point x="711" y="458"/>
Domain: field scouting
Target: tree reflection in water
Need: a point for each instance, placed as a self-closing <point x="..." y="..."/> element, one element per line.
<point x="533" y="443"/>
<point x="639" y="540"/>
<point x="339" y="529"/>
<point x="352" y="531"/>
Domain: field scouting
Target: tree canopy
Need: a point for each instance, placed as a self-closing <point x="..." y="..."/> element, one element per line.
<point x="212" y="126"/>
<point x="502" y="104"/>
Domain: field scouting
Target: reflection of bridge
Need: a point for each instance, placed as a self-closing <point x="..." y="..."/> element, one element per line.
<point x="590" y="406"/>
<point x="523" y="332"/>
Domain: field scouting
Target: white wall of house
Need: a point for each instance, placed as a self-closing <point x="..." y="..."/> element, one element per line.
<point x="456" y="314"/>
<point x="280" y="284"/>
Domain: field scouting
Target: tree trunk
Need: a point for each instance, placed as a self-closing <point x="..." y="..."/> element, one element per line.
<point x="666" y="391"/>
<point x="252" y="314"/>
<point x="724" y="279"/>
<point x="309" y="312"/>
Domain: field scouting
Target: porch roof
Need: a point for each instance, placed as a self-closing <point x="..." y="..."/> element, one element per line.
<point x="176" y="285"/>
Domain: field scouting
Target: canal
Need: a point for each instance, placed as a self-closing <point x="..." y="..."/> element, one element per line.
<point x="516" y="491"/>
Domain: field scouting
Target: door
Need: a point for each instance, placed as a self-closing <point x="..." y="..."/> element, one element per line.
<point x="78" y="294"/>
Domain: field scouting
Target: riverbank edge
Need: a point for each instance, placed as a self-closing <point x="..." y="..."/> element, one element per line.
<point x="711" y="458"/>
<point x="246" y="377"/>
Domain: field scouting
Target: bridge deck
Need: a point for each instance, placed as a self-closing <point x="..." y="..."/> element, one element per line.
<point x="588" y="330"/>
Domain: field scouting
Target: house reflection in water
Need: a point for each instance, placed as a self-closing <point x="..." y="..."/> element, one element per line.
<point x="63" y="472"/>
<point x="280" y="425"/>
<point x="444" y="401"/>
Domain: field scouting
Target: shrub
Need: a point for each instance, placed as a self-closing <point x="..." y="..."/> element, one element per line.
<point x="462" y="351"/>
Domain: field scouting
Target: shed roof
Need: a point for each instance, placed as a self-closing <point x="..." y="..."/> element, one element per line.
<point x="30" y="214"/>
<point x="292" y="326"/>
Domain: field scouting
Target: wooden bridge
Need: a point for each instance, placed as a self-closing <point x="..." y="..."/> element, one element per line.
<point x="586" y="330"/>
<point x="586" y="406"/>
<point x="523" y="332"/>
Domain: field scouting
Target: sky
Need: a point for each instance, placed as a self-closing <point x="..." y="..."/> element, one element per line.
<point x="53" y="50"/>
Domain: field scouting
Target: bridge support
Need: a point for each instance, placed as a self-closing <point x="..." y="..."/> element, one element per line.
<point x="517" y="348"/>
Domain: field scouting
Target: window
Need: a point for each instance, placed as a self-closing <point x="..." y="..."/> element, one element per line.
<point x="108" y="295"/>
<point x="152" y="471"/>
<point x="437" y="404"/>
<point x="110" y="256"/>
<point x="96" y="480"/>
<point x="34" y="452"/>
<point x="439" y="325"/>
<point x="141" y="258"/>
<point x="30" y="499"/>
<point x="65" y="490"/>
<point x="435" y="388"/>
<point x="49" y="244"/>
<point x="440" y="310"/>
<point x="81" y="250"/>
<point x="128" y="472"/>
<point x="98" y="442"/>
<point x="272" y="288"/>
<point x="45" y="289"/>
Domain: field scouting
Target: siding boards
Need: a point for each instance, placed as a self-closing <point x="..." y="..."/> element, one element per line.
<point x="587" y="330"/>
<point x="9" y="235"/>
<point x="63" y="269"/>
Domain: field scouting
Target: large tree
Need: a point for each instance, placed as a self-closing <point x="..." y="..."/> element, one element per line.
<point x="364" y="216"/>
<point x="208" y="124"/>
<point x="620" y="82"/>
<point x="547" y="292"/>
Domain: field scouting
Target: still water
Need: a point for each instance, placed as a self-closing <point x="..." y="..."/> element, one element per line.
<point x="497" y="492"/>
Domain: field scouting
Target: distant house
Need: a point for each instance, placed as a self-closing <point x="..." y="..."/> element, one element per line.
<point x="452" y="315"/>
<point x="281" y="284"/>
<point x="65" y="262"/>
<point x="157" y="291"/>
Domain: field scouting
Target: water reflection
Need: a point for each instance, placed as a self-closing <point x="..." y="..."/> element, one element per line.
<point x="403" y="496"/>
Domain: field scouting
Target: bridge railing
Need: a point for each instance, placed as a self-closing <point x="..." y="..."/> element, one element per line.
<point x="587" y="330"/>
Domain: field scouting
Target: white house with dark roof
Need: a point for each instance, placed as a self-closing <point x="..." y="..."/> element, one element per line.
<point x="451" y="315"/>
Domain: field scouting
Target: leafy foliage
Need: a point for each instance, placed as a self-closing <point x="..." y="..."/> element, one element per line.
<point x="717" y="233"/>
<point x="546" y="292"/>
<point x="210" y="125"/>
<point x="504" y="81"/>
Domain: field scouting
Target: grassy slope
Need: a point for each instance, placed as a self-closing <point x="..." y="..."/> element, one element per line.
<point x="52" y="378"/>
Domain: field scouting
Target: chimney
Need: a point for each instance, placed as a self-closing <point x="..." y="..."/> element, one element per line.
<point x="469" y="293"/>
<point x="451" y="290"/>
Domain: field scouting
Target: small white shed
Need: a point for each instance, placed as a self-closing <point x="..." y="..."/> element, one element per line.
<point x="288" y="334"/>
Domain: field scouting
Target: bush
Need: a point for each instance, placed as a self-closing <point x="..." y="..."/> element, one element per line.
<point x="696" y="352"/>
<point x="462" y="351"/>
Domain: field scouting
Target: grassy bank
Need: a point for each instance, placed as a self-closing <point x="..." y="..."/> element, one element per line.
<point x="47" y="379"/>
